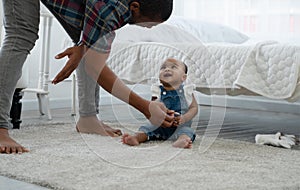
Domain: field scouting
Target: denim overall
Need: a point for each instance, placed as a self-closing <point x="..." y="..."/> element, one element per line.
<point x="173" y="100"/>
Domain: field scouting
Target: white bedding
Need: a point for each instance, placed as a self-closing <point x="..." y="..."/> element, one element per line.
<point x="266" y="68"/>
<point x="269" y="69"/>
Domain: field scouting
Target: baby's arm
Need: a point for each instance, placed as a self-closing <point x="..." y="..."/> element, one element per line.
<point x="190" y="114"/>
<point x="171" y="113"/>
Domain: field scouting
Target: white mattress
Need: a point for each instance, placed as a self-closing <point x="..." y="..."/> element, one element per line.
<point x="268" y="69"/>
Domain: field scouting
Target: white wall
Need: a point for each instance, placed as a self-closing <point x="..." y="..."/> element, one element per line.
<point x="1" y="16"/>
<point x="261" y="19"/>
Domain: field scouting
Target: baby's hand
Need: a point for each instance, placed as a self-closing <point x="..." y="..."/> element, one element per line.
<point x="177" y="119"/>
<point x="176" y="114"/>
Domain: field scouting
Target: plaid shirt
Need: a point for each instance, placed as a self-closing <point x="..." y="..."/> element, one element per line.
<point x="97" y="19"/>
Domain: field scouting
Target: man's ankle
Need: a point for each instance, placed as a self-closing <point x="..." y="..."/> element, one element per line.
<point x="3" y="131"/>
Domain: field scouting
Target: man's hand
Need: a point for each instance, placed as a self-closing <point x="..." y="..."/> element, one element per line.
<point x="75" y="55"/>
<point x="160" y="115"/>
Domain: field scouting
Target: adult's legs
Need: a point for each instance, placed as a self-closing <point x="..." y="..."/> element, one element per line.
<point x="21" y="23"/>
<point x="88" y="96"/>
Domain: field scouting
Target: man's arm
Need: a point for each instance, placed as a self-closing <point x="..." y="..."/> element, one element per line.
<point x="95" y="65"/>
<point x="75" y="55"/>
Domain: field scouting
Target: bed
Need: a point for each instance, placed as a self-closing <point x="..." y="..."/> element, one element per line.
<point x="221" y="60"/>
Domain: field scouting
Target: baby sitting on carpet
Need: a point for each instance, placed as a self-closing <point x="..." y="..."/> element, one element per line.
<point x="176" y="97"/>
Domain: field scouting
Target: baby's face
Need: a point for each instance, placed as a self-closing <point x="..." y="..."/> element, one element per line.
<point x="172" y="73"/>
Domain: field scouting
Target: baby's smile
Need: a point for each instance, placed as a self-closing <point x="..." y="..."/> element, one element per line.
<point x="167" y="75"/>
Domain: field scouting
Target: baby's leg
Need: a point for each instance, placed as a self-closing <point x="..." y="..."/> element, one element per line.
<point x="183" y="141"/>
<point x="134" y="140"/>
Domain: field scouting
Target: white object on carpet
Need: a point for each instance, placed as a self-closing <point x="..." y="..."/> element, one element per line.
<point x="280" y="140"/>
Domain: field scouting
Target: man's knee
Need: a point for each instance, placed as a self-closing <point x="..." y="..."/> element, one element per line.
<point x="20" y="40"/>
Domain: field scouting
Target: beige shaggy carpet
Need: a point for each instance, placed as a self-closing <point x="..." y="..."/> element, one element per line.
<point x="60" y="158"/>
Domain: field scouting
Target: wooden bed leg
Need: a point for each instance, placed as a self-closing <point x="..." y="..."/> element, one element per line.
<point x="16" y="108"/>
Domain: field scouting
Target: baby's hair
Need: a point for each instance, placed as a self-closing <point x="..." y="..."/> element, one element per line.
<point x="185" y="67"/>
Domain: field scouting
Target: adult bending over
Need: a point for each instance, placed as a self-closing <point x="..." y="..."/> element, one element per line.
<point x="90" y="24"/>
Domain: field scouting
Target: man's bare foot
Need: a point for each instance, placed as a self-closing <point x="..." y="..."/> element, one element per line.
<point x="8" y="145"/>
<point x="130" y="140"/>
<point x="183" y="142"/>
<point x="107" y="128"/>
<point x="92" y="125"/>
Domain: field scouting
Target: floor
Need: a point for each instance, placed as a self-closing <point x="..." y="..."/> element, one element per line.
<point x="239" y="124"/>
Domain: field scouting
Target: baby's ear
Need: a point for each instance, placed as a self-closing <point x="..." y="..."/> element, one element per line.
<point x="184" y="77"/>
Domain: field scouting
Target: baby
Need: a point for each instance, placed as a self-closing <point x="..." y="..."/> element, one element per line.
<point x="176" y="97"/>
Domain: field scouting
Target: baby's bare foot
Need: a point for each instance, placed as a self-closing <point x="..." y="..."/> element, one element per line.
<point x="184" y="142"/>
<point x="130" y="140"/>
